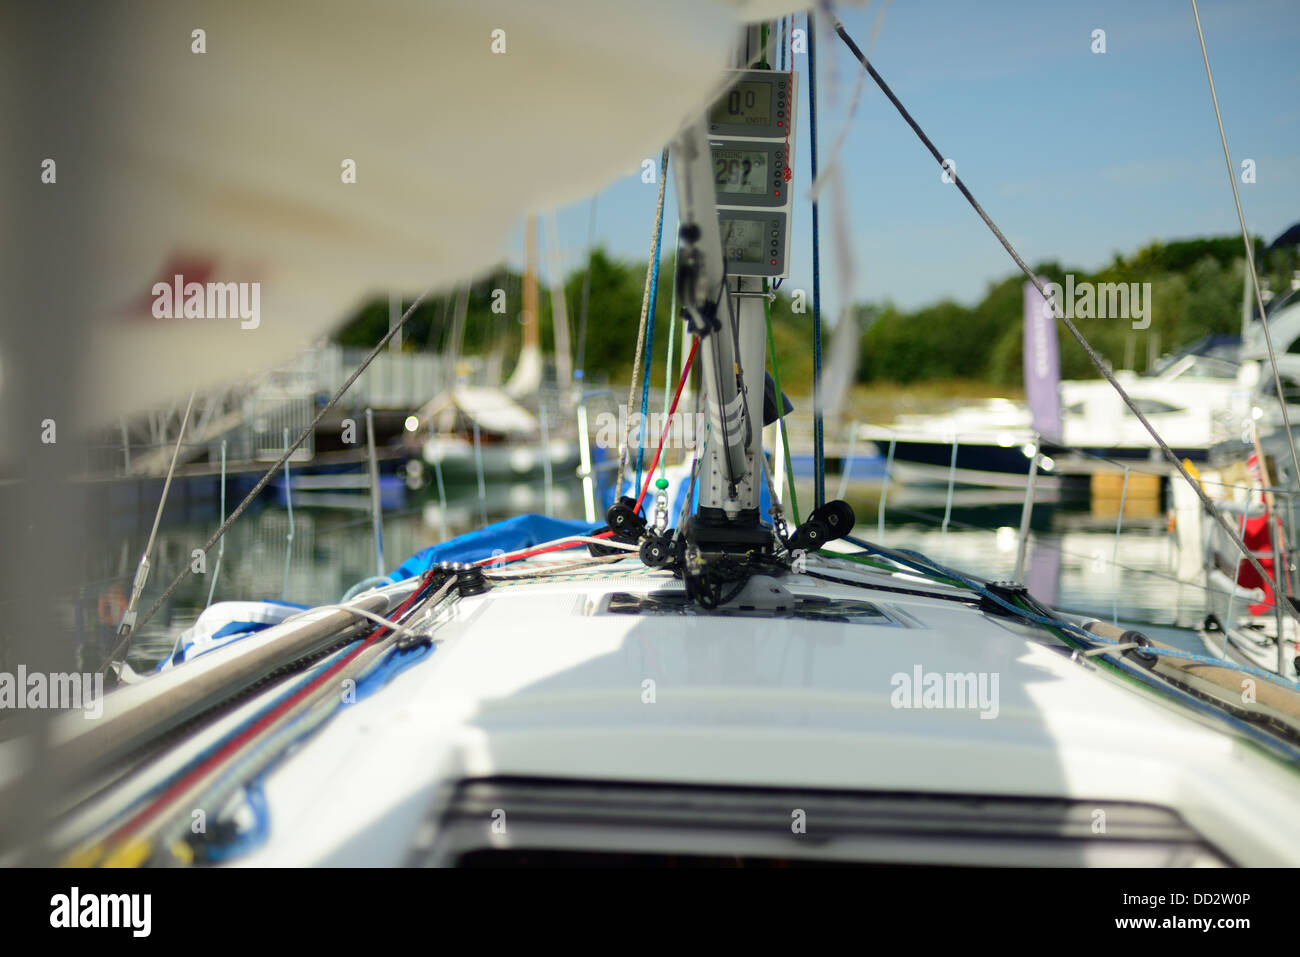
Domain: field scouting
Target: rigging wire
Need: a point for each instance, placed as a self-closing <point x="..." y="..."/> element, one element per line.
<point x="128" y="625"/>
<point x="270" y="473"/>
<point x="819" y="448"/>
<point x="855" y="100"/>
<point x="1042" y="614"/>
<point x="650" y="322"/>
<point x="1250" y="253"/>
<point x="1091" y="353"/>
<point x="651" y="277"/>
<point x="668" y="366"/>
<point x="668" y="421"/>
<point x="231" y="747"/>
<point x="699" y="445"/>
<point x="782" y="410"/>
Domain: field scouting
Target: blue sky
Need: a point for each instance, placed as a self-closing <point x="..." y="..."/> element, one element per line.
<point x="1075" y="155"/>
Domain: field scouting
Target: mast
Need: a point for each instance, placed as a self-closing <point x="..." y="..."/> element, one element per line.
<point x="532" y="338"/>
<point x="723" y="303"/>
<point x="559" y="311"/>
<point x="528" y="370"/>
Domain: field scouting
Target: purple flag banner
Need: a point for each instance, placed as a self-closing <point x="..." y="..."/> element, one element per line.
<point x="1042" y="365"/>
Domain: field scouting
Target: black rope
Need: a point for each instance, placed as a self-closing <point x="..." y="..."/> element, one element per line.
<point x="1093" y="356"/>
<point x="819" y="447"/>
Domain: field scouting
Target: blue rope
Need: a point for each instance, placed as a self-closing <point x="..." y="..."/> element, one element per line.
<point x="819" y="449"/>
<point x="929" y="568"/>
<point x="650" y="334"/>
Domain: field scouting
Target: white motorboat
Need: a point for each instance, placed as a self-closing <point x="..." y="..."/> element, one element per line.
<point x="1194" y="401"/>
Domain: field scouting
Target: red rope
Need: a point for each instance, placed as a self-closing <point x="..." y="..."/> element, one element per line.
<point x="672" y="410"/>
<point x="789" y="103"/>
<point x="541" y="550"/>
<point x="265" y="721"/>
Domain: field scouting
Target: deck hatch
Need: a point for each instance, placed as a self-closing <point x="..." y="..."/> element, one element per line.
<point x="807" y="607"/>
<point x="567" y="822"/>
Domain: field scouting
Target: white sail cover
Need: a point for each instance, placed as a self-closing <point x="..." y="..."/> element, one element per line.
<point x="232" y="165"/>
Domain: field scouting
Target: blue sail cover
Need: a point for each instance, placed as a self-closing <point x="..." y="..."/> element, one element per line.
<point x="510" y="535"/>
<point x="524" y="531"/>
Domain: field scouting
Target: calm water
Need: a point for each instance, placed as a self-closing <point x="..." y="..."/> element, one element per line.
<point x="1072" y="558"/>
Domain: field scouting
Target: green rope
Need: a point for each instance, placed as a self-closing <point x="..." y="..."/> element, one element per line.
<point x="780" y="401"/>
<point x="858" y="560"/>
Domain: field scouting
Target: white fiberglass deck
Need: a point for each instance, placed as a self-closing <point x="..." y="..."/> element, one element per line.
<point x="533" y="679"/>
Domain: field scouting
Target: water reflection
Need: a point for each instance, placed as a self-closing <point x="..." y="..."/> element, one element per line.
<point x="1072" y="558"/>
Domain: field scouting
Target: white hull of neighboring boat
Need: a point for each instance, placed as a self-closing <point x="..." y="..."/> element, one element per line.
<point x="458" y="458"/>
<point x="994" y="437"/>
<point x="1243" y="637"/>
<point x="920" y="473"/>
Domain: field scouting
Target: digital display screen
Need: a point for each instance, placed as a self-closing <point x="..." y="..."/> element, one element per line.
<point x="748" y="102"/>
<point x="740" y="171"/>
<point x="742" y="240"/>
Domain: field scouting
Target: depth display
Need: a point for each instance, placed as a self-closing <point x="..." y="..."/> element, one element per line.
<point x="748" y="172"/>
<point x="741" y="171"/>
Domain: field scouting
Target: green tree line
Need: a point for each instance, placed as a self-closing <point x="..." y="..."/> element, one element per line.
<point x="1196" y="289"/>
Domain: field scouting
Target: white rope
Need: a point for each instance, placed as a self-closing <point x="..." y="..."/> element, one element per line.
<point x="1110" y="649"/>
<point x="360" y="613"/>
<point x="556" y="568"/>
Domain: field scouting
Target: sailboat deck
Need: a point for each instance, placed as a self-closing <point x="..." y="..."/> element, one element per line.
<point x="540" y="680"/>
